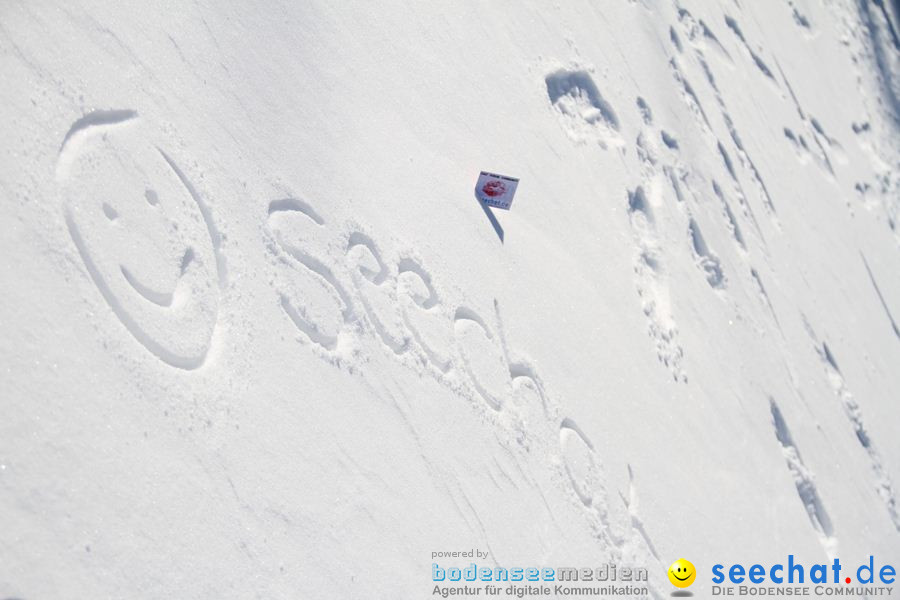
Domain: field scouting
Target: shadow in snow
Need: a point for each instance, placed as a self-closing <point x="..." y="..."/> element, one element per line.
<point x="490" y="215"/>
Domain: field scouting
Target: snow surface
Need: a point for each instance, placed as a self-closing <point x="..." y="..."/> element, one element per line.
<point x="259" y="340"/>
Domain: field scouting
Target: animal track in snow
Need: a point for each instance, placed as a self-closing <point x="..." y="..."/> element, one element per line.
<point x="764" y="296"/>
<point x="760" y="64"/>
<point x="853" y="412"/>
<point x="645" y="229"/>
<point x="700" y="35"/>
<point x="801" y="148"/>
<point x="805" y="482"/>
<point x="651" y="287"/>
<point x="799" y="18"/>
<point x="650" y="277"/>
<point x="690" y="97"/>
<point x="750" y="165"/>
<point x="827" y="143"/>
<point x="645" y="111"/>
<point x="821" y="132"/>
<point x="585" y="114"/>
<point x="823" y="142"/>
<point x="742" y="153"/>
<point x="731" y="220"/>
<point x="158" y="265"/>
<point x="668" y="140"/>
<point x="675" y="176"/>
<point x="815" y="132"/>
<point x="706" y="260"/>
<point x="676" y="40"/>
<point x="887" y="311"/>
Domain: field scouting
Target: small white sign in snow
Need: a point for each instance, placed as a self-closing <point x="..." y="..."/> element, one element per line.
<point x="496" y="190"/>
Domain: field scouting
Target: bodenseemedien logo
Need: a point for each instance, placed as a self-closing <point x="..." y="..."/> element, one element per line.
<point x="522" y="582"/>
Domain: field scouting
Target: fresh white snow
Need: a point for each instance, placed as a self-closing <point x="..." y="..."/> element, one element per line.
<point x="260" y="340"/>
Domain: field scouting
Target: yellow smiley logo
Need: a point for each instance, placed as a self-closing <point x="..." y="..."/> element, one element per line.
<point x="682" y="573"/>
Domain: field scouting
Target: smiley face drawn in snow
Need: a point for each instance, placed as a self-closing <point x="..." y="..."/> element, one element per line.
<point x="145" y="237"/>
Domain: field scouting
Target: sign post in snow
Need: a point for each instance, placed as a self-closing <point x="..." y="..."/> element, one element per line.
<point x="496" y="190"/>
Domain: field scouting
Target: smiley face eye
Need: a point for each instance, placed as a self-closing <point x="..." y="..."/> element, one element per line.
<point x="110" y="212"/>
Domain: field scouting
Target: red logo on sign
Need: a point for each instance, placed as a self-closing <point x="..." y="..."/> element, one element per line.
<point x="494" y="188"/>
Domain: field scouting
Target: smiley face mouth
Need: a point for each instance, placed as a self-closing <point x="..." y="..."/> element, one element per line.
<point x="163" y="299"/>
<point x="679" y="578"/>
